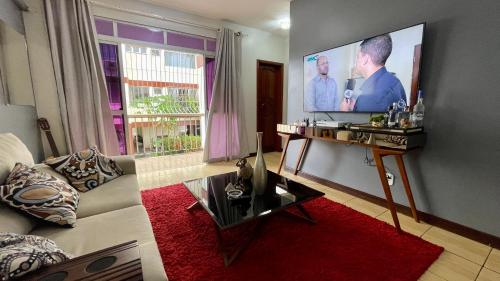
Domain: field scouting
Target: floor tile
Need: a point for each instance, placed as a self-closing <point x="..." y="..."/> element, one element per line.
<point x="493" y="261"/>
<point x="488" y="275"/>
<point x="464" y="247"/>
<point x="365" y="207"/>
<point x="337" y="196"/>
<point x="429" y="276"/>
<point x="407" y="223"/>
<point x="454" y="268"/>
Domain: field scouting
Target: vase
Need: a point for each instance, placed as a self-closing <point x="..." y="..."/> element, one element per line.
<point x="259" y="179"/>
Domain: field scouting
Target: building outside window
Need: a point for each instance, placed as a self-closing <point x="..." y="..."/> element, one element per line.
<point x="155" y="52"/>
<point x="177" y="59"/>
<point x="135" y="49"/>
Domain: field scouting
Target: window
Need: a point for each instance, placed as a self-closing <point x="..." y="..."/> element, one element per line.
<point x="135" y="49"/>
<point x="177" y="59"/>
<point x="155" y="52"/>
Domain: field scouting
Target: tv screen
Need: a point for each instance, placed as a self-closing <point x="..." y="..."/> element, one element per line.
<point x="365" y="76"/>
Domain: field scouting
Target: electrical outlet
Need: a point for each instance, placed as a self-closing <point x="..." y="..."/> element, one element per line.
<point x="390" y="178"/>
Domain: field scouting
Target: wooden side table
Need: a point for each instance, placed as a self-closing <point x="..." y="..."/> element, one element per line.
<point x="379" y="153"/>
<point x="117" y="263"/>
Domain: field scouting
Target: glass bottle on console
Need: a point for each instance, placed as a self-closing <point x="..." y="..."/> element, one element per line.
<point x="418" y="111"/>
<point x="392" y="116"/>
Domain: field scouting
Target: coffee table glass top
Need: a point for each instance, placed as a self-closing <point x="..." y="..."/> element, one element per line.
<point x="281" y="193"/>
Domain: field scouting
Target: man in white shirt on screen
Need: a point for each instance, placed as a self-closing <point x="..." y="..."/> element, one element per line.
<point x="321" y="92"/>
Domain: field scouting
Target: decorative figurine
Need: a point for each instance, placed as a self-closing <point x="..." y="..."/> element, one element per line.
<point x="245" y="172"/>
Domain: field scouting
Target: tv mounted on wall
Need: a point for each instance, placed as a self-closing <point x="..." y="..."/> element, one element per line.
<point x="365" y="76"/>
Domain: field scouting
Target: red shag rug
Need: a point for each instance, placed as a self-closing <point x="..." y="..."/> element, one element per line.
<point x="343" y="245"/>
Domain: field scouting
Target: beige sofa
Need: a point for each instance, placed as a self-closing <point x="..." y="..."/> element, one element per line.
<point x="108" y="215"/>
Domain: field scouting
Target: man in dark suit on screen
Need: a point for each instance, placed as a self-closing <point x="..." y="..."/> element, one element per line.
<point x="381" y="88"/>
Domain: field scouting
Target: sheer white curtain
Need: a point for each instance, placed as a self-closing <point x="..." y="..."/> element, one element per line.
<point x="81" y="87"/>
<point x="226" y="137"/>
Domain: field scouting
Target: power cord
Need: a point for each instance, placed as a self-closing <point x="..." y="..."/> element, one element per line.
<point x="369" y="162"/>
<point x="328" y="114"/>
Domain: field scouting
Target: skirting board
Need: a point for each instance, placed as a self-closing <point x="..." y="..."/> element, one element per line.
<point x="454" y="227"/>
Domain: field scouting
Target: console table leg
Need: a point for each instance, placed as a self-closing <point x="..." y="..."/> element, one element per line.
<point x="303" y="149"/>
<point x="406" y="183"/>
<point x="283" y="153"/>
<point x="387" y="190"/>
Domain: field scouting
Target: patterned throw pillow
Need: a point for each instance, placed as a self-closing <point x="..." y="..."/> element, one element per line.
<point x="40" y="195"/>
<point x="86" y="169"/>
<point x="20" y="254"/>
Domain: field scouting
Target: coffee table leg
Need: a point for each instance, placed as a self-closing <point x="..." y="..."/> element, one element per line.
<point x="230" y="257"/>
<point x="194" y="205"/>
<point x="305" y="215"/>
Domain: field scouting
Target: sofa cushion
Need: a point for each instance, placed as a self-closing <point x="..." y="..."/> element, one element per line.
<point x="87" y="169"/>
<point x="21" y="254"/>
<point x="12" y="220"/>
<point x="12" y="151"/>
<point x="108" y="229"/>
<point x="120" y="193"/>
<point x="40" y="195"/>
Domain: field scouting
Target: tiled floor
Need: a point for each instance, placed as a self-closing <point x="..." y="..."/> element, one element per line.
<point x="463" y="258"/>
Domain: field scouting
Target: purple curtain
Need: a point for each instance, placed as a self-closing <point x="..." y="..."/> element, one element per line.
<point x="209" y="78"/>
<point x="111" y="66"/>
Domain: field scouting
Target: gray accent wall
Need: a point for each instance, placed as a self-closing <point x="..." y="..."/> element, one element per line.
<point x="457" y="175"/>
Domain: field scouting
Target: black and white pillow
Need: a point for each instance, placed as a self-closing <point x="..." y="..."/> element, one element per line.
<point x="21" y="254"/>
<point x="87" y="169"/>
<point x="40" y="195"/>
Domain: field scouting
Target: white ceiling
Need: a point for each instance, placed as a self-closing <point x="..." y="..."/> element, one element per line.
<point x="261" y="14"/>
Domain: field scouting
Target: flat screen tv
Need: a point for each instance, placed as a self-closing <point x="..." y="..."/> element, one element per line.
<point x="365" y="76"/>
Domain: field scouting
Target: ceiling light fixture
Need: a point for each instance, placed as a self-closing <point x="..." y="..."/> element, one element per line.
<point x="285" y="24"/>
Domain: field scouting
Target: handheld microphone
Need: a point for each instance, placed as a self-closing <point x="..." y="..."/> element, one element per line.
<point x="349" y="89"/>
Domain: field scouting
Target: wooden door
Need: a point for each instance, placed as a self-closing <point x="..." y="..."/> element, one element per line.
<point x="269" y="103"/>
<point x="417" y="53"/>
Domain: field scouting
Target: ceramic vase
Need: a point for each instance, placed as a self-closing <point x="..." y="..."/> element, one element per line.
<point x="259" y="179"/>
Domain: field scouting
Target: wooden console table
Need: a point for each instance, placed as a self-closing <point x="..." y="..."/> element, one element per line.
<point x="379" y="152"/>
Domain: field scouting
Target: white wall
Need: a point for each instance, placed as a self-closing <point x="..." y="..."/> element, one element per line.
<point x="16" y="66"/>
<point x="256" y="44"/>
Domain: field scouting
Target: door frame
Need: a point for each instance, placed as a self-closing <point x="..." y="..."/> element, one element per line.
<point x="281" y="85"/>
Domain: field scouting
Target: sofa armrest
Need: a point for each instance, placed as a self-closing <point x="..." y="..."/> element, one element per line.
<point x="126" y="162"/>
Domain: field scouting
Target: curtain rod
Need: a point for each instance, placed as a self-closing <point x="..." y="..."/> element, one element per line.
<point x="113" y="7"/>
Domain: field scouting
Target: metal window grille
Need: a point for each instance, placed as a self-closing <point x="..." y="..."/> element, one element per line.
<point x="164" y="100"/>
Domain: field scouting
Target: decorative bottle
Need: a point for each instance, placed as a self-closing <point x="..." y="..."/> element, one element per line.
<point x="418" y="111"/>
<point x="392" y="116"/>
<point x="259" y="179"/>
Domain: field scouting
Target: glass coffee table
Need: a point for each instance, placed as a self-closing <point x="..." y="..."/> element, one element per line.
<point x="282" y="195"/>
